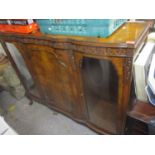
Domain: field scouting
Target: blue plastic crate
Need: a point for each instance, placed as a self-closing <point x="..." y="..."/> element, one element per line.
<point x="80" y="27"/>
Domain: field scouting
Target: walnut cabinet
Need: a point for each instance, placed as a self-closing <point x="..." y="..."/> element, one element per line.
<point x="85" y="78"/>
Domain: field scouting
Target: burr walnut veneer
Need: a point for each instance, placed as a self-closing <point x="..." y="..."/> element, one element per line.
<point x="85" y="78"/>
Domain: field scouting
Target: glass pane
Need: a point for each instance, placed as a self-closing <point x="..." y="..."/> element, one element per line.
<point x="2" y="50"/>
<point x="100" y="85"/>
<point x="18" y="59"/>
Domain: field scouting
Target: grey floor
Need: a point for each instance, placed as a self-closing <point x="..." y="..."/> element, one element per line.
<point x="37" y="119"/>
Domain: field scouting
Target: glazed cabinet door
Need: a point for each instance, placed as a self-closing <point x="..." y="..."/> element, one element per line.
<point x="17" y="61"/>
<point x="102" y="84"/>
<point x="51" y="69"/>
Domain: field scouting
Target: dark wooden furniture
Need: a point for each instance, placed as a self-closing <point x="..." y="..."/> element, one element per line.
<point x="140" y="119"/>
<point x="85" y="78"/>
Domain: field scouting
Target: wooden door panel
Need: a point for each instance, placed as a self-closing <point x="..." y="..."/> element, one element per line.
<point x="51" y="69"/>
<point x="33" y="70"/>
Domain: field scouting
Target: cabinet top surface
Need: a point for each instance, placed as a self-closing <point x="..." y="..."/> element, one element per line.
<point x="128" y="35"/>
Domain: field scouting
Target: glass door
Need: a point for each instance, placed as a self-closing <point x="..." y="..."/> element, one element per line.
<point x="22" y="68"/>
<point x="100" y="81"/>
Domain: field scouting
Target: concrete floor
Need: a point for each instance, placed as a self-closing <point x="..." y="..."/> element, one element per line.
<point x="38" y="119"/>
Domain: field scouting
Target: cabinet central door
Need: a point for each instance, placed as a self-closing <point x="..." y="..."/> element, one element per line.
<point x="51" y="70"/>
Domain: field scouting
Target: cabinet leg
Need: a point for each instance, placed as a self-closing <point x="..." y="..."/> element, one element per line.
<point x="31" y="102"/>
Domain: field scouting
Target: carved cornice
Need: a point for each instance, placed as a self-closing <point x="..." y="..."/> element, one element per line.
<point x="87" y="49"/>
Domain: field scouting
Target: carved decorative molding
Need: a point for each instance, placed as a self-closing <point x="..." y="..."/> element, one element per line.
<point x="128" y="69"/>
<point x="101" y="51"/>
<point x="104" y="51"/>
<point x="60" y="45"/>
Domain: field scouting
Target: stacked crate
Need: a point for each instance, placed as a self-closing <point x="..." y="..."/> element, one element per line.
<point x="18" y="25"/>
<point x="80" y="27"/>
